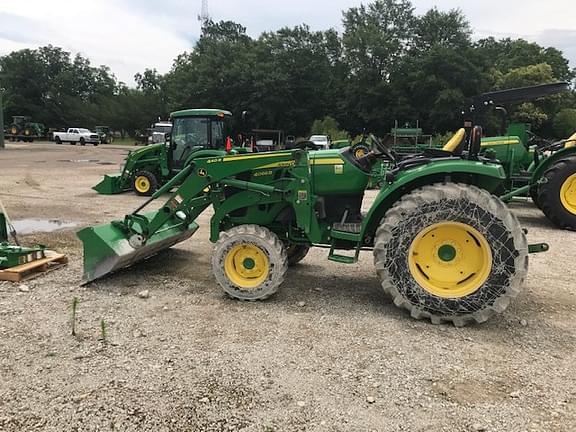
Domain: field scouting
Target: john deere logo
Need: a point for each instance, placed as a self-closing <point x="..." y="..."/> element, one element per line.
<point x="202" y="172"/>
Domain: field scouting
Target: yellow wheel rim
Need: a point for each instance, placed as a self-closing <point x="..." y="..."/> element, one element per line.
<point x="359" y="153"/>
<point x="14" y="131"/>
<point x="247" y="266"/>
<point x="142" y="184"/>
<point x="568" y="194"/>
<point x="450" y="260"/>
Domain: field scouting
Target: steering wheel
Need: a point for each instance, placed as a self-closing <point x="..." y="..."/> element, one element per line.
<point x="382" y="148"/>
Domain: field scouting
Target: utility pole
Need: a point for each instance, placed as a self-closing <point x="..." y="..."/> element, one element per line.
<point x="204" y="15"/>
<point x="2" y="145"/>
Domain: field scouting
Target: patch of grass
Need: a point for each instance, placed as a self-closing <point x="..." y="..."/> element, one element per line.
<point x="124" y="141"/>
<point x="75" y="302"/>
<point x="103" y="331"/>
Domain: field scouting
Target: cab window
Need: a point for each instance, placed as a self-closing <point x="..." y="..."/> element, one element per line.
<point x="189" y="133"/>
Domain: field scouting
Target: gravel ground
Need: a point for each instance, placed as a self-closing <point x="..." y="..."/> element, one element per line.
<point x="330" y="352"/>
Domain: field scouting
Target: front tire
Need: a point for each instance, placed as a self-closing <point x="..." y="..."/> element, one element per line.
<point x="451" y="253"/>
<point x="144" y="183"/>
<point x="249" y="262"/>
<point x="557" y="194"/>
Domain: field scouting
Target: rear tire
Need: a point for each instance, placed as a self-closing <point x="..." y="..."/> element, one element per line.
<point x="557" y="194"/>
<point x="451" y="253"/>
<point x="249" y="262"/>
<point x="144" y="183"/>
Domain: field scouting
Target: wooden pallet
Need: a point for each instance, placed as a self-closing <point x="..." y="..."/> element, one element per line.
<point x="34" y="269"/>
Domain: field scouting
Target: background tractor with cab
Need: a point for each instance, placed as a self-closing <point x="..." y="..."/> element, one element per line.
<point x="444" y="247"/>
<point x="105" y="134"/>
<point x="195" y="133"/>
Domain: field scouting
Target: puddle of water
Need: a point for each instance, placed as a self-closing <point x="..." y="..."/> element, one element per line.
<point x="29" y="226"/>
<point x="80" y="160"/>
<point x="83" y="161"/>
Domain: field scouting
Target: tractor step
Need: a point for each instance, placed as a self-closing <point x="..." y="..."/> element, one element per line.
<point x="342" y="259"/>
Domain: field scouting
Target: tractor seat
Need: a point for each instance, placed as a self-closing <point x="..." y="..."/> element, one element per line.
<point x="454" y="145"/>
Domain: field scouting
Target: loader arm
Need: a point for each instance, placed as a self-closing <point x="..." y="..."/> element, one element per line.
<point x="120" y="244"/>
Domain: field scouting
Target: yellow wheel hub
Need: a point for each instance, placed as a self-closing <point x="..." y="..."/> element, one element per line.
<point x="568" y="194"/>
<point x="14" y="131"/>
<point x="247" y="266"/>
<point x="142" y="184"/>
<point x="450" y="259"/>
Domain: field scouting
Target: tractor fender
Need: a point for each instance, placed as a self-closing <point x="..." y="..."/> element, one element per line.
<point x="549" y="161"/>
<point x="487" y="176"/>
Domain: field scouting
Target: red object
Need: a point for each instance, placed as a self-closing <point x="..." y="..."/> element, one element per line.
<point x="228" y="145"/>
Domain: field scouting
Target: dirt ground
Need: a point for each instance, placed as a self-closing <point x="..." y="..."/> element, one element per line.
<point x="330" y="352"/>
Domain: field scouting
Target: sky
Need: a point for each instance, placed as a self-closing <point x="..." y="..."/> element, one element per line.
<point x="132" y="35"/>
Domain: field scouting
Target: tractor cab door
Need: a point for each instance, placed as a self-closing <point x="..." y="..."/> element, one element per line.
<point x="191" y="134"/>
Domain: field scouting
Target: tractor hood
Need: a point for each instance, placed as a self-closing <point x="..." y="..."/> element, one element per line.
<point x="334" y="174"/>
<point x="153" y="148"/>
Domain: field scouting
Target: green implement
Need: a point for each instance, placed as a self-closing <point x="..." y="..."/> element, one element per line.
<point x="15" y="255"/>
<point x="444" y="247"/>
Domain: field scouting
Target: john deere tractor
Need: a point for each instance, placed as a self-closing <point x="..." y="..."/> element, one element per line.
<point x="542" y="170"/>
<point x="196" y="133"/>
<point x="23" y="129"/>
<point x="444" y="247"/>
<point x="105" y="134"/>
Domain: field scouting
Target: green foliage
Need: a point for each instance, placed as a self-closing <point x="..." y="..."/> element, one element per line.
<point x="329" y="126"/>
<point x="389" y="63"/>
<point x="565" y="122"/>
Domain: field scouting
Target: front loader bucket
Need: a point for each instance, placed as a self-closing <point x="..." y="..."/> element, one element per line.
<point x="107" y="248"/>
<point x="111" y="185"/>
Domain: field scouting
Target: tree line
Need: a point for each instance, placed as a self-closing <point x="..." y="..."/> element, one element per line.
<point x="387" y="64"/>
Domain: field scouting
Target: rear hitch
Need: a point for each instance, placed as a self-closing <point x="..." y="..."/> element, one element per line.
<point x="538" y="248"/>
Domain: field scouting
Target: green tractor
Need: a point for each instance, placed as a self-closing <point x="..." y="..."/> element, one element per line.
<point x="105" y="134"/>
<point x="23" y="129"/>
<point x="535" y="168"/>
<point x="445" y="248"/>
<point x="196" y="133"/>
<point x="542" y="170"/>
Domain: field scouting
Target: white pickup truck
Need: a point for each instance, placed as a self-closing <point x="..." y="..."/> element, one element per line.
<point x="77" y="136"/>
